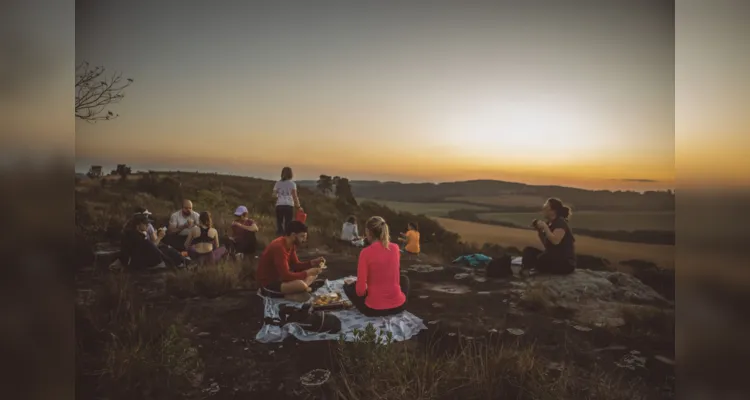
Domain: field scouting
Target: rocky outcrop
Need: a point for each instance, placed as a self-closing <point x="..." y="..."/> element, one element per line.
<point x="595" y="297"/>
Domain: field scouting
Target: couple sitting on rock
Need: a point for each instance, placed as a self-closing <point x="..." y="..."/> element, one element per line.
<point x="379" y="290"/>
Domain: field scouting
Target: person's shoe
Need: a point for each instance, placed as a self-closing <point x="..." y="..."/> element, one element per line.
<point x="158" y="266"/>
<point x="317" y="284"/>
<point x="116" y="265"/>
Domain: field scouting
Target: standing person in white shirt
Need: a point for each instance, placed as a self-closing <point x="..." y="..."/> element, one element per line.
<point x="285" y="191"/>
<point x="349" y="232"/>
<point x="180" y="223"/>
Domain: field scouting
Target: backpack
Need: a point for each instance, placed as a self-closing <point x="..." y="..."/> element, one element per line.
<point x="320" y="322"/>
<point x="499" y="267"/>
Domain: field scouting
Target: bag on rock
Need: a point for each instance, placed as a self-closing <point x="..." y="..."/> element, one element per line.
<point x="499" y="267"/>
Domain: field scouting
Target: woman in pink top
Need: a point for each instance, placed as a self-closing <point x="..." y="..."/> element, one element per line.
<point x="380" y="288"/>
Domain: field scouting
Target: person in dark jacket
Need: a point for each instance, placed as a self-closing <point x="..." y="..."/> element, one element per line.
<point x="137" y="250"/>
<point x="559" y="255"/>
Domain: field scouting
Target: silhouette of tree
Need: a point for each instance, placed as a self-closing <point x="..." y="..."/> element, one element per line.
<point x="344" y="191"/>
<point x="325" y="184"/>
<point x="95" y="93"/>
<point x="122" y="170"/>
<point x="95" y="172"/>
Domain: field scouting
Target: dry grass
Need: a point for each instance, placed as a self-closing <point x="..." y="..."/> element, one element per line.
<point x="615" y="252"/>
<point x="537" y="299"/>
<point x="374" y="368"/>
<point x="211" y="280"/>
<point x="643" y="320"/>
<point x="131" y="350"/>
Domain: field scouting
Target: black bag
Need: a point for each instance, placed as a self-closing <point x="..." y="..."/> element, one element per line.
<point x="308" y="320"/>
<point x="499" y="267"/>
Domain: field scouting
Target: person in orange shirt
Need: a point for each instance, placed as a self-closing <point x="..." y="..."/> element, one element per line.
<point x="411" y="238"/>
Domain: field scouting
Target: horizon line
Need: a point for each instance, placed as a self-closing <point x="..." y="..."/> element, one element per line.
<point x="672" y="189"/>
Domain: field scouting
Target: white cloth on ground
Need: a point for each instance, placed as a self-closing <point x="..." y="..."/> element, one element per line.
<point x="402" y="326"/>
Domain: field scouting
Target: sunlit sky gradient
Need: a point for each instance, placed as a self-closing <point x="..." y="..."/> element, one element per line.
<point x="570" y="93"/>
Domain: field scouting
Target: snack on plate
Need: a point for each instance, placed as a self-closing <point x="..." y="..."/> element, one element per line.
<point x="327" y="298"/>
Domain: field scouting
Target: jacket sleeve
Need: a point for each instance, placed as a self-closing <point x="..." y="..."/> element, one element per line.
<point x="298" y="265"/>
<point x="282" y="266"/>
<point x="361" y="285"/>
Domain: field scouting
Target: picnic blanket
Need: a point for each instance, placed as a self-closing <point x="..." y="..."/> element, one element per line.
<point x="403" y="325"/>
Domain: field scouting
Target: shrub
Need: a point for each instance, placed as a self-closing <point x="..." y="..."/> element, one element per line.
<point x="209" y="280"/>
<point x="134" y="352"/>
<point x="375" y="368"/>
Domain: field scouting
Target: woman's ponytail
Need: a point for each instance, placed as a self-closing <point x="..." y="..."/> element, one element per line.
<point x="379" y="230"/>
<point x="565" y="212"/>
<point x="559" y="208"/>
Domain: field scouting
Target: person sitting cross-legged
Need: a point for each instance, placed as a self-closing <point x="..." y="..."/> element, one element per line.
<point x="410" y="239"/>
<point x="173" y="257"/>
<point x="243" y="232"/>
<point x="181" y="222"/>
<point x="380" y="289"/>
<point x="349" y="233"/>
<point x="137" y="251"/>
<point x="280" y="272"/>
<point x="559" y="255"/>
<point x="203" y="241"/>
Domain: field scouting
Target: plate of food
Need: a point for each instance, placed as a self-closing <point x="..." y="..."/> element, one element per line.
<point x="330" y="301"/>
<point x="326" y="299"/>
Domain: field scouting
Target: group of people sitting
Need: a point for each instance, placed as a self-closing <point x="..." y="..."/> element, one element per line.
<point x="188" y="237"/>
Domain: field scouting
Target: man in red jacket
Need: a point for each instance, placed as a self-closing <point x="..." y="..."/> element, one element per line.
<point x="280" y="272"/>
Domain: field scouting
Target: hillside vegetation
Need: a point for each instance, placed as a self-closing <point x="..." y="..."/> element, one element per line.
<point x="103" y="206"/>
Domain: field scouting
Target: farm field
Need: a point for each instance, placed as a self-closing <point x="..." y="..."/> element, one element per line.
<point x="598" y="220"/>
<point x="508" y="200"/>
<point x="594" y="220"/>
<point x="428" y="209"/>
<point x="661" y="255"/>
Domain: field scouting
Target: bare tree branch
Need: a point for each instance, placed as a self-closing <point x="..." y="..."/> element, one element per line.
<point x="95" y="93"/>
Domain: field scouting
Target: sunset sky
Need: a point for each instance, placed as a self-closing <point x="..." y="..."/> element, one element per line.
<point x="537" y="92"/>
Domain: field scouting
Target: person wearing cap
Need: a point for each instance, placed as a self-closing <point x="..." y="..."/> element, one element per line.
<point x="156" y="235"/>
<point x="243" y="231"/>
<point x="151" y="233"/>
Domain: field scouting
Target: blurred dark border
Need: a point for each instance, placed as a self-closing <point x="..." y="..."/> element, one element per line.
<point x="37" y="142"/>
<point x="712" y="65"/>
<point x="36" y="168"/>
